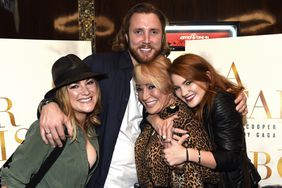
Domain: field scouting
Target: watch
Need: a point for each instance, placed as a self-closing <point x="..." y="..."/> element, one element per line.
<point x="42" y="103"/>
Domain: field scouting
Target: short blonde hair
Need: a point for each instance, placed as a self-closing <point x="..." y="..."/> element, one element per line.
<point x="156" y="72"/>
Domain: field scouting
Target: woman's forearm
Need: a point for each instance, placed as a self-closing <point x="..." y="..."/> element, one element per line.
<point x="204" y="158"/>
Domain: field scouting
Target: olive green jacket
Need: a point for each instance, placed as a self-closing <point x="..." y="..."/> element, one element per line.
<point x="71" y="169"/>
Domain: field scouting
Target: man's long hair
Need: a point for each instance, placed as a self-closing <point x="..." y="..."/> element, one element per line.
<point x="120" y="43"/>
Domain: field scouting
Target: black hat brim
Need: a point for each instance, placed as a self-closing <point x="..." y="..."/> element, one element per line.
<point x="97" y="76"/>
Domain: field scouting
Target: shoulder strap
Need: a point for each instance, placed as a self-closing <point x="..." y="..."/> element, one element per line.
<point x="46" y="165"/>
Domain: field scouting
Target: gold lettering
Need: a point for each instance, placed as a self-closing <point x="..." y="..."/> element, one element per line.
<point x="279" y="166"/>
<point x="267" y="160"/>
<point x="9" y="106"/>
<point x="17" y="138"/>
<point x="236" y="74"/>
<point x="264" y="106"/>
<point x="3" y="145"/>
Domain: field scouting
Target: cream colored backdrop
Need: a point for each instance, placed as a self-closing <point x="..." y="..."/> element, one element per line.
<point x="25" y="76"/>
<point x="256" y="61"/>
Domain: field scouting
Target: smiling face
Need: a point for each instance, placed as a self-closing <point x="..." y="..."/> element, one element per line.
<point x="83" y="97"/>
<point x="151" y="97"/>
<point x="153" y="85"/>
<point x="144" y="37"/>
<point x="191" y="92"/>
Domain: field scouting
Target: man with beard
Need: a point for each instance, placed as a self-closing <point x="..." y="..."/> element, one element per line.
<point x="140" y="39"/>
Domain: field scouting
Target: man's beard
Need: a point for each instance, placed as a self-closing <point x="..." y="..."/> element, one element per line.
<point x="143" y="59"/>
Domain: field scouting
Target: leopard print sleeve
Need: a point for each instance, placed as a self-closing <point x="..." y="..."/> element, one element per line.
<point x="192" y="174"/>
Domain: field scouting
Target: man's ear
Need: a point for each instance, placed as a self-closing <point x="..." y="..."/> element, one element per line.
<point x="126" y="37"/>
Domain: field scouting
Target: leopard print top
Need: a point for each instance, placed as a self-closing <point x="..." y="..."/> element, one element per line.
<point x="152" y="169"/>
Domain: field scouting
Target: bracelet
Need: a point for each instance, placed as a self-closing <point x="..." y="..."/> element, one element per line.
<point x="187" y="155"/>
<point x="199" y="156"/>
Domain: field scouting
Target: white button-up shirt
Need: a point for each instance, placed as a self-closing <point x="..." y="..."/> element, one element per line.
<point x="122" y="172"/>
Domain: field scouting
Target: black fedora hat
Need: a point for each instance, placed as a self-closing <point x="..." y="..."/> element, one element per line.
<point x="69" y="69"/>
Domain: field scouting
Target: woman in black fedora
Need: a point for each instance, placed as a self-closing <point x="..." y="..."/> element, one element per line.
<point x="77" y="92"/>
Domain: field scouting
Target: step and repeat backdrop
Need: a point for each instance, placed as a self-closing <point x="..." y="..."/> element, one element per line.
<point x="25" y="76"/>
<point x="256" y="62"/>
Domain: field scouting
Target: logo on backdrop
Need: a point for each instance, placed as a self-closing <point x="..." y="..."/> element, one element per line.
<point x="8" y="122"/>
<point x="261" y="123"/>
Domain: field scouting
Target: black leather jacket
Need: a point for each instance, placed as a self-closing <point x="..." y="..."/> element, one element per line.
<point x="225" y="128"/>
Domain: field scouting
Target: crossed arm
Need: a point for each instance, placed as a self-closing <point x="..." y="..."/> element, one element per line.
<point x="53" y="120"/>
